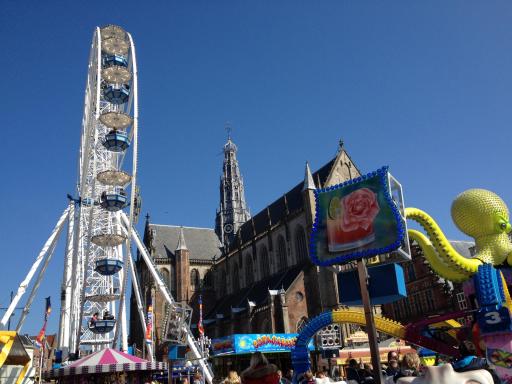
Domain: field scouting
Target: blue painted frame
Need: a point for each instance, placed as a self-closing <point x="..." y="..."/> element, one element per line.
<point x="382" y="176"/>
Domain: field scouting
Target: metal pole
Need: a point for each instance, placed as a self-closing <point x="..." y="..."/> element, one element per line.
<point x="24" y="284"/>
<point x="9" y="322"/>
<point x="370" y="322"/>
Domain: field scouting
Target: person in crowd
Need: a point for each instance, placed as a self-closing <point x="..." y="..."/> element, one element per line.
<point x="308" y="378"/>
<point x="469" y="361"/>
<point x="198" y="378"/>
<point x="289" y="375"/>
<point x="321" y="378"/>
<point x="410" y="366"/>
<point x="366" y="374"/>
<point x="353" y="375"/>
<point x="282" y="379"/>
<point x="392" y="368"/>
<point x="260" y="371"/>
<point x="232" y="378"/>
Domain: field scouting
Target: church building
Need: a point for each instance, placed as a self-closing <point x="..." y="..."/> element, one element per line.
<point x="253" y="272"/>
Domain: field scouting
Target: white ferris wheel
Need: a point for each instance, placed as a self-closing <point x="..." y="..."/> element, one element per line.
<point x="98" y="256"/>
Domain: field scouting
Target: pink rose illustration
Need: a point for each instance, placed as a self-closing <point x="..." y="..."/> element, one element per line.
<point x="360" y="209"/>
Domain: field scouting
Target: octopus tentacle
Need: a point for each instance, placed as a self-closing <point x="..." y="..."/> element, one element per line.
<point x="441" y="244"/>
<point x="438" y="265"/>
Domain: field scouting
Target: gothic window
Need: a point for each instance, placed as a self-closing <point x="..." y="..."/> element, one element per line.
<point x="300" y="244"/>
<point x="194" y="279"/>
<point x="281" y="253"/>
<point x="249" y="272"/>
<point x="165" y="276"/>
<point x="236" y="280"/>
<point x="264" y="262"/>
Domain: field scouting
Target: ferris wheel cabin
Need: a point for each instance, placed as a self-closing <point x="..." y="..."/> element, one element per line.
<point x="108" y="267"/>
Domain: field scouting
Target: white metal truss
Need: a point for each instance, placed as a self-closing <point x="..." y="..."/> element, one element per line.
<point x="93" y="232"/>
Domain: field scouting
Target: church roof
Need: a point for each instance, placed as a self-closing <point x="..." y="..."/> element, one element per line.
<point x="202" y="243"/>
<point x="463" y="247"/>
<point x="290" y="202"/>
<point x="257" y="293"/>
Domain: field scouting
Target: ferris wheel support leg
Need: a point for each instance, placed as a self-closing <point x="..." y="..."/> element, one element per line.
<point x="24" y="284"/>
<point x="140" y="308"/>
<point x="167" y="296"/>
<point x="122" y="302"/>
<point x="33" y="292"/>
<point x="67" y="284"/>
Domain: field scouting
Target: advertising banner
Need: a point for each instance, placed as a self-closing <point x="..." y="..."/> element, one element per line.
<point x="249" y="343"/>
<point x="356" y="219"/>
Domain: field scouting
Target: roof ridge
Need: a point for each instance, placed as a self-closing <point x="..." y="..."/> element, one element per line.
<point x="179" y="226"/>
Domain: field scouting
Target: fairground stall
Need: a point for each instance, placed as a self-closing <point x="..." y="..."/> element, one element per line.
<point x="107" y="366"/>
<point x="234" y="352"/>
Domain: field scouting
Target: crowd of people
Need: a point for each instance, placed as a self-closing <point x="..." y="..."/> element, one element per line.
<point x="260" y="371"/>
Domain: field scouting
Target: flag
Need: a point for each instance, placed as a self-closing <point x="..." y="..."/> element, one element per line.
<point x="40" y="337"/>
<point x="200" y="322"/>
<point x="48" y="308"/>
<point x="149" y="325"/>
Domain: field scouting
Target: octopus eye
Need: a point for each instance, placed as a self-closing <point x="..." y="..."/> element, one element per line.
<point x="503" y="226"/>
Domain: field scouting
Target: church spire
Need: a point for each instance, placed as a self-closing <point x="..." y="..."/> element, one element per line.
<point x="181" y="241"/>
<point x="233" y="211"/>
<point x="308" y="179"/>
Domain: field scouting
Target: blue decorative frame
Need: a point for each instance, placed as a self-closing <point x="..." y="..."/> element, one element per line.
<point x="382" y="174"/>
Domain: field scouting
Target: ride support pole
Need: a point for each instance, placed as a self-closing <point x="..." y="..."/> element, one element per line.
<point x="370" y="322"/>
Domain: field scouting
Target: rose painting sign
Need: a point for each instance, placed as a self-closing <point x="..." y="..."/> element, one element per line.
<point x="356" y="219"/>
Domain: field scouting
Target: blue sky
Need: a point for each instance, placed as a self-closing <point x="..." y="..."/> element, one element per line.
<point x="424" y="87"/>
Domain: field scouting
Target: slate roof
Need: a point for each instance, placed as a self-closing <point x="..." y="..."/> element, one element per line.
<point x="202" y="243"/>
<point x="257" y="292"/>
<point x="290" y="202"/>
<point x="462" y="247"/>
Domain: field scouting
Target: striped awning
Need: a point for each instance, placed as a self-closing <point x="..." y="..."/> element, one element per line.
<point x="105" y="361"/>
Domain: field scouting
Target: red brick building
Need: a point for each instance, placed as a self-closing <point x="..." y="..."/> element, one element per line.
<point x="427" y="293"/>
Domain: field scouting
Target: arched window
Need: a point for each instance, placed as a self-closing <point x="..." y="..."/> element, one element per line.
<point x="165" y="276"/>
<point x="281" y="253"/>
<point x="301" y="248"/>
<point x="236" y="280"/>
<point x="264" y="262"/>
<point x="194" y="279"/>
<point x="249" y="272"/>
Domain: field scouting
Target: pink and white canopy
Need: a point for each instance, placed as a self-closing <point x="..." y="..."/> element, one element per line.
<point x="105" y="361"/>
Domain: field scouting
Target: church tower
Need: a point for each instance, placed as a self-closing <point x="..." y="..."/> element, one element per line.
<point x="233" y="211"/>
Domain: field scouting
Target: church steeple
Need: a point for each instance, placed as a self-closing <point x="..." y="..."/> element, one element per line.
<point x="233" y="211"/>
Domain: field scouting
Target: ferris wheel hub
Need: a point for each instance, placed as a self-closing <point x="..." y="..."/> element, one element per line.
<point x="116" y="120"/>
<point x="114" y="178"/>
<point x="115" y="46"/>
<point x="116" y="74"/>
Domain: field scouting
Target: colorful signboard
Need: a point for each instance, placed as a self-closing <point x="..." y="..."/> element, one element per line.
<point x="356" y="219"/>
<point x="249" y="343"/>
